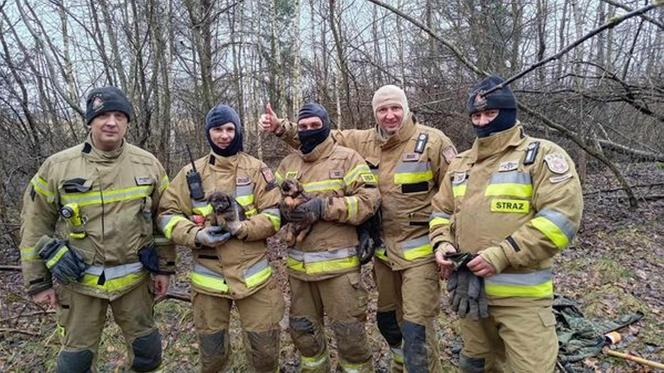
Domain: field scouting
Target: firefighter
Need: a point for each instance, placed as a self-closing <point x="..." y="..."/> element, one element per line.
<point x="324" y="268"/>
<point x="508" y="205"/>
<point x="87" y="222"/>
<point x="409" y="160"/>
<point x="230" y="257"/>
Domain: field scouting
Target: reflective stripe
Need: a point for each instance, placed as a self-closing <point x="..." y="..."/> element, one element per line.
<point x="314" y="361"/>
<point x="354" y="174"/>
<point x="354" y="367"/>
<point x="381" y="253"/>
<point x="116" y="278"/>
<point x="55" y="258"/>
<point x="201" y="208"/>
<point x="513" y="184"/>
<point x="41" y="186"/>
<point x="244" y="194"/>
<point x="416" y="248"/>
<point x="29" y="254"/>
<point x="397" y="355"/>
<point x="555" y="226"/>
<point x="413" y="172"/>
<point x="208" y="280"/>
<point x="108" y="196"/>
<point x="324" y="185"/>
<point x="438" y="218"/>
<point x="165" y="182"/>
<point x="322" y="262"/>
<point x="279" y="177"/>
<point x="459" y="190"/>
<point x="351" y="206"/>
<point x="537" y="284"/>
<point x="257" y="274"/>
<point x="274" y="216"/>
<point x="167" y="224"/>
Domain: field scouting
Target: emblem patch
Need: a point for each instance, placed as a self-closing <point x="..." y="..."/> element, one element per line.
<point x="556" y="163"/>
<point x="449" y="153"/>
<point x="508" y="166"/>
<point x="267" y="175"/>
<point x="97" y="103"/>
<point x="144" y="181"/>
<point x="480" y="101"/>
<point x="243" y="180"/>
<point x="558" y="179"/>
<point x="410" y="157"/>
<point x="336" y="174"/>
<point x="459" y="177"/>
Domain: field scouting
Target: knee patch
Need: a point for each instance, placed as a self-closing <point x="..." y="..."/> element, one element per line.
<point x="352" y="342"/>
<point x="74" y="361"/>
<point x="147" y="352"/>
<point x="471" y="364"/>
<point x="307" y="336"/>
<point x="414" y="347"/>
<point x="214" y="350"/>
<point x="389" y="328"/>
<point x="264" y="350"/>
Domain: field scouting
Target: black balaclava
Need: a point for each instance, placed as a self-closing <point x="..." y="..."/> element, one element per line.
<point x="502" y="99"/>
<point x="311" y="138"/>
<point x="217" y="116"/>
<point x="105" y="99"/>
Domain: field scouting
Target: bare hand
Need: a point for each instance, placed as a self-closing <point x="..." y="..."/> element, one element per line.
<point x="160" y="285"/>
<point x="481" y="267"/>
<point x="47" y="296"/>
<point x="445" y="267"/>
<point x="269" y="121"/>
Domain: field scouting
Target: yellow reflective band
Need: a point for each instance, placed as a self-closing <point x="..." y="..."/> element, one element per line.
<point x="258" y="277"/>
<point x="165" y="182"/>
<point x="41" y="186"/>
<point x="295" y="264"/>
<point x="291" y="174"/>
<point x="109" y="196"/>
<point x="354" y="367"/>
<point x="551" y="231"/>
<point x="29" y="254"/>
<point x="115" y="284"/>
<point x="397" y="355"/>
<point x="54" y="260"/>
<point x="324" y="185"/>
<point x="279" y="177"/>
<point x="459" y="190"/>
<point x="209" y="283"/>
<point x="245" y="200"/>
<point x="168" y="228"/>
<point x="351" y="206"/>
<point x="543" y="290"/>
<point x="510" y="205"/>
<point x="274" y="219"/>
<point x="512" y="190"/>
<point x="354" y="174"/>
<point x="418" y="252"/>
<point x="412" y="177"/>
<point x="314" y="361"/>
<point x="332" y="265"/>
<point x="250" y="213"/>
<point x="203" y="210"/>
<point x="381" y="254"/>
<point x="438" y="221"/>
<point x="60" y="330"/>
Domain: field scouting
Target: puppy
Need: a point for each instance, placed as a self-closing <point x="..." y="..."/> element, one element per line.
<point x="225" y="208"/>
<point x="293" y="195"/>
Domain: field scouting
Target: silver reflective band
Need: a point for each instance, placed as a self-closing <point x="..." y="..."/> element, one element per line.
<point x="532" y="278"/>
<point x="205" y="271"/>
<point x="403" y="167"/>
<point x="559" y="220"/>
<point x="313" y="257"/>
<point x="510" y="178"/>
<point x="416" y="242"/>
<point x="115" y="271"/>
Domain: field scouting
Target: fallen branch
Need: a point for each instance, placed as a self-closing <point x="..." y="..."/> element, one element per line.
<point x="10" y="268"/>
<point x="640" y="360"/>
<point x="21" y="331"/>
<point x="619" y="189"/>
<point x="38" y="313"/>
<point x="182" y="296"/>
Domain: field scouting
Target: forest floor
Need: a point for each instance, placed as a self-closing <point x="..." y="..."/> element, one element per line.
<point x="615" y="267"/>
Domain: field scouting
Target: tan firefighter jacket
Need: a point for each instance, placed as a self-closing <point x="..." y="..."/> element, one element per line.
<point x="117" y="194"/>
<point x="341" y="177"/>
<point x="239" y="267"/>
<point x="409" y="166"/>
<point x="518" y="200"/>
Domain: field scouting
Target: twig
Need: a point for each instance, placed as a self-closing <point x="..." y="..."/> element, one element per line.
<point x="612" y="22"/>
<point x="618" y="189"/>
<point x="9" y="268"/>
<point x="185" y="297"/>
<point x="647" y="18"/>
<point x="21" y="331"/>
<point x="38" y="313"/>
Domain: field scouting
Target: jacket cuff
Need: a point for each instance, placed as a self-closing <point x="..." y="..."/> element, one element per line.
<point x="496" y="257"/>
<point x="38" y="288"/>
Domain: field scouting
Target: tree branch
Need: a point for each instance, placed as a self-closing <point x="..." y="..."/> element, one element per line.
<point x="645" y="17"/>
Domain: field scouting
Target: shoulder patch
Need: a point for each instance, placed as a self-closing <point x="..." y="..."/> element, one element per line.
<point x="449" y="153"/>
<point x="559" y="179"/>
<point x="269" y="178"/>
<point x="557" y="163"/>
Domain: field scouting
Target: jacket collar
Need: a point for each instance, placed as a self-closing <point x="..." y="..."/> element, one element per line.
<point x="95" y="154"/>
<point x="220" y="163"/>
<point x="403" y="134"/>
<point x="485" y="147"/>
<point x="323" y="150"/>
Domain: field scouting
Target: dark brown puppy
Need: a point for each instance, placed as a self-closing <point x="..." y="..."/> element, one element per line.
<point x="293" y="195"/>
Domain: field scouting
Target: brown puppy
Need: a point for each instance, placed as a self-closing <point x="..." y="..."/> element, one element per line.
<point x="226" y="209"/>
<point x="292" y="196"/>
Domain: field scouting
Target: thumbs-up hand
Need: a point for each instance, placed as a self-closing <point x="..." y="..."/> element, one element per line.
<point x="269" y="120"/>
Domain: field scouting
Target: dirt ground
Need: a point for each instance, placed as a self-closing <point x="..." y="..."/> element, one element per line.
<point x="614" y="267"/>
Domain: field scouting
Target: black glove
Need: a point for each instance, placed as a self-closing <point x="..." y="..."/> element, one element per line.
<point x="307" y="213"/>
<point x="65" y="264"/>
<point x="366" y="246"/>
<point x="467" y="295"/>
<point x="149" y="258"/>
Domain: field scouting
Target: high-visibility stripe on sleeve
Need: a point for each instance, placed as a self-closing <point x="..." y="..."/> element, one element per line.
<point x="438" y="218"/>
<point x="168" y="222"/>
<point x="275" y="217"/>
<point x="40" y="185"/>
<point x="351" y="206"/>
<point x="555" y="226"/>
<point x="29" y="254"/>
<point x="356" y="173"/>
<point x="202" y="208"/>
<point x="165" y="182"/>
